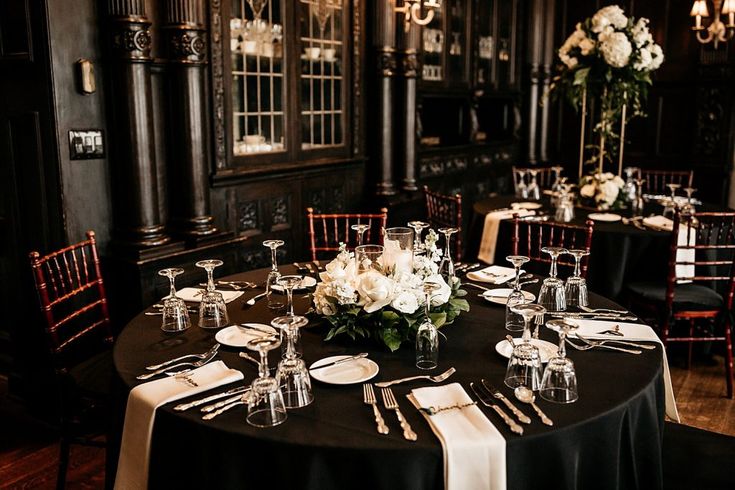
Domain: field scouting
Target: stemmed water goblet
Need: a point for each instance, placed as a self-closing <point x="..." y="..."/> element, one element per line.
<point x="688" y="208"/>
<point x="212" y="307"/>
<point x="534" y="192"/>
<point x="292" y="375"/>
<point x="559" y="384"/>
<point x="521" y="188"/>
<point x="266" y="407"/>
<point x="289" y="283"/>
<point x="556" y="187"/>
<point x="360" y="228"/>
<point x="524" y="365"/>
<point x="418" y="227"/>
<point x="174" y="316"/>
<point x="274" y="302"/>
<point x="670" y="204"/>
<point x="514" y="321"/>
<point x="629" y="188"/>
<point x="446" y="266"/>
<point x="552" y="295"/>
<point x="427" y="335"/>
<point x="576" y="286"/>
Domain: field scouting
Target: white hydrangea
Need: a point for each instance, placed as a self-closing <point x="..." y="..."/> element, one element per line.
<point x="644" y="60"/>
<point x="586" y="46"/>
<point x="658" y="57"/>
<point x="616" y="49"/>
<point x="612" y="15"/>
<point x="641" y="34"/>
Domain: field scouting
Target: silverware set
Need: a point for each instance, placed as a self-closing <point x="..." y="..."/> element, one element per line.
<point x="486" y="398"/>
<point x="234" y="285"/>
<point x="166" y="367"/>
<point x="192" y="310"/>
<point x="486" y="394"/>
<point x="435" y="379"/>
<point x="368" y="397"/>
<point x="390" y="403"/>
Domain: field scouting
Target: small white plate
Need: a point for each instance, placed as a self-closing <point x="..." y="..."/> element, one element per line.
<point x="547" y="350"/>
<point x="306" y="282"/>
<point x="358" y="371"/>
<point x="194" y="295"/>
<point x="525" y="205"/>
<point x="500" y="296"/>
<point x="607" y="217"/>
<point x="239" y="336"/>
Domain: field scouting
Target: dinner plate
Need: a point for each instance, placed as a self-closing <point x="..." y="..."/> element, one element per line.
<point x="500" y="296"/>
<point x="306" y="282"/>
<point x="357" y="371"/>
<point x="525" y="205"/>
<point x="547" y="350"/>
<point x="239" y="336"/>
<point x="607" y="217"/>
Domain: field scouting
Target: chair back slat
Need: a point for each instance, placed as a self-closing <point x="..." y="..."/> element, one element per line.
<point x="655" y="181"/>
<point x="336" y="228"/>
<point x="530" y="236"/>
<point x="445" y="211"/>
<point x="72" y="295"/>
<point x="544" y="176"/>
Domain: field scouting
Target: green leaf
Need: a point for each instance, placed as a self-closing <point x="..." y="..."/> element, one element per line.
<point x="580" y="76"/>
<point x="392" y="339"/>
<point x="438" y="319"/>
<point x="460" y="304"/>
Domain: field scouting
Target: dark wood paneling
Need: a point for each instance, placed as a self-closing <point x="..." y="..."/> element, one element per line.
<point x="15" y="30"/>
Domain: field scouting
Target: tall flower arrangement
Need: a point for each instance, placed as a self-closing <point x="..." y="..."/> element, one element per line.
<point x="609" y="56"/>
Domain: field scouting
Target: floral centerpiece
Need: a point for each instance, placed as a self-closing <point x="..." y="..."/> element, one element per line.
<point x="602" y="191"/>
<point x="610" y="57"/>
<point x="385" y="302"/>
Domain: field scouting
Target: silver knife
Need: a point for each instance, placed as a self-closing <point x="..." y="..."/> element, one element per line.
<point x="215" y="406"/>
<point x="186" y="406"/>
<point x="341" y="361"/>
<point x="514" y="427"/>
<point x="522" y="417"/>
<point x="211" y="415"/>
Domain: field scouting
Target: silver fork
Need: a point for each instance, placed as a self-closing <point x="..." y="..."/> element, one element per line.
<point x="196" y="364"/>
<point x="601" y="346"/>
<point x="368" y="397"/>
<point x="602" y="310"/>
<point x="204" y="355"/>
<point x="389" y="400"/>
<point x="436" y="379"/>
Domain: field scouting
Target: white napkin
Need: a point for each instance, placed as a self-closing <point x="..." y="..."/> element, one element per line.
<point x="682" y="255"/>
<point x="474" y="450"/>
<point x="634" y="332"/>
<point x="194" y="295"/>
<point x="495" y="274"/>
<point x="132" y="466"/>
<point x="490" y="232"/>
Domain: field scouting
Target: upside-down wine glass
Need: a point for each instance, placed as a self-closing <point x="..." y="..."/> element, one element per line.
<point x="670" y="204"/>
<point x="576" y="286"/>
<point x="556" y="186"/>
<point x="212" y="308"/>
<point x="514" y="321"/>
<point x="292" y="375"/>
<point x="446" y="266"/>
<point x="524" y="365"/>
<point x="427" y="335"/>
<point x="174" y="316"/>
<point x="418" y="227"/>
<point x="521" y="188"/>
<point x="274" y="302"/>
<point x="559" y="384"/>
<point x="289" y="283"/>
<point x="534" y="192"/>
<point x="360" y="228"/>
<point x="266" y="407"/>
<point x="552" y="295"/>
<point x="688" y="208"/>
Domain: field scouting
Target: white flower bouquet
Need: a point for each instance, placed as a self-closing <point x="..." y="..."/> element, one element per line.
<point x="386" y="301"/>
<point x="602" y="191"/>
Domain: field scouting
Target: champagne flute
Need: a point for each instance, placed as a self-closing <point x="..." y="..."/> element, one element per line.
<point x="360" y="228"/>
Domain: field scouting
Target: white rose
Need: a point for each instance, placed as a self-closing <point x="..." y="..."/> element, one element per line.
<point x="609" y="191"/>
<point x="658" y="56"/>
<point x="586" y="46"/>
<point x="610" y="15"/>
<point x="644" y="61"/>
<point x="618" y="181"/>
<point x="441" y="295"/>
<point x="587" y="190"/>
<point x="376" y="289"/>
<point x="405" y="302"/>
<point x="641" y="34"/>
<point x="616" y="49"/>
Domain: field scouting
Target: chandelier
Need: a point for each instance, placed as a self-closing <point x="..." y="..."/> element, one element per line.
<point x="717" y="31"/>
<point x="411" y="11"/>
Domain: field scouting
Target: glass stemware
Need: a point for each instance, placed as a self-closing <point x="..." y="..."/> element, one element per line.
<point x="521" y="188"/>
<point x="275" y="302"/>
<point x="446" y="266"/>
<point x="524" y="365"/>
<point x="360" y="228"/>
<point x="212" y="308"/>
<point x="552" y="295"/>
<point x="534" y="192"/>
<point x="266" y="407"/>
<point x="514" y="321"/>
<point x="418" y="227"/>
<point x="289" y="283"/>
<point x="670" y="203"/>
<point x="174" y="316"/>
<point x="638" y="204"/>
<point x="688" y="208"/>
<point x="559" y="384"/>
<point x="292" y="376"/>
<point x="565" y="204"/>
<point x="556" y="187"/>
<point x="427" y="335"/>
<point x="367" y="257"/>
<point x="576" y="286"/>
<point x="629" y="188"/>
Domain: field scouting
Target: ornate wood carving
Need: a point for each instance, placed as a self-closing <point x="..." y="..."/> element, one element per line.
<point x="410" y="63"/>
<point x="709" y="121"/>
<point x="356" y="77"/>
<point x="247" y="216"/>
<point x="387" y="61"/>
<point x="218" y="82"/>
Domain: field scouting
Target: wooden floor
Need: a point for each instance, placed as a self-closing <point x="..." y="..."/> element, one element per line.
<point x="29" y="452"/>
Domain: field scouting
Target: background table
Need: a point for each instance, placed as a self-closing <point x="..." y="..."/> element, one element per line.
<point x="611" y="438"/>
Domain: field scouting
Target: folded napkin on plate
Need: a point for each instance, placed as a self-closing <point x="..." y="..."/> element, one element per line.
<point x="589" y="329"/>
<point x="195" y="295"/>
<point x="132" y="466"/>
<point x="684" y="239"/>
<point x="495" y="274"/>
<point x="490" y="231"/>
<point x="474" y="450"/>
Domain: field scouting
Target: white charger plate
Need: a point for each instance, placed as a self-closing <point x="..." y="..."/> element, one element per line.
<point x="239" y="336"/>
<point x="525" y="205"/>
<point x="607" y="217"/>
<point x="547" y="350"/>
<point x="500" y="296"/>
<point x="358" y="371"/>
<point x="306" y="282"/>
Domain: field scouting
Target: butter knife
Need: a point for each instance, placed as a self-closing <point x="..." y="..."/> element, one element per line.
<point x="186" y="406"/>
<point x="522" y="417"/>
<point x="341" y="361"/>
<point x="514" y="427"/>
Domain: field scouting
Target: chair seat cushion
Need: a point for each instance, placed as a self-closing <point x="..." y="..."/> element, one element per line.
<point x="686" y="296"/>
<point x="93" y="377"/>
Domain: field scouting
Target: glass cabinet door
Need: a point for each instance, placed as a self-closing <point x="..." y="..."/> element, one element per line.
<point x="457" y="33"/>
<point x="321" y="49"/>
<point x="258" y="63"/>
<point x="485" y="40"/>
<point x="433" y="45"/>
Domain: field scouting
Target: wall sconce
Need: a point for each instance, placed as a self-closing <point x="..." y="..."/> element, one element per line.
<point x="717" y="31"/>
<point x="411" y="11"/>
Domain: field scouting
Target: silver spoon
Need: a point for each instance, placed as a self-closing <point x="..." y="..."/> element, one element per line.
<point x="524" y="395"/>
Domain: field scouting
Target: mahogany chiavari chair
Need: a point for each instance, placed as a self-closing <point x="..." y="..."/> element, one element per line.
<point x="544" y="176"/>
<point x="655" y="180"/>
<point x="530" y="236"/>
<point x="72" y="297"/>
<point x="702" y="294"/>
<point x="445" y="211"/>
<point x="326" y="231"/>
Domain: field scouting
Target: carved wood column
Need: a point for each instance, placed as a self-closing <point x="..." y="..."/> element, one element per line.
<point x="535" y="49"/>
<point x="188" y="155"/>
<point x="547" y="74"/>
<point x="387" y="67"/>
<point x="136" y="213"/>
<point x="409" y="71"/>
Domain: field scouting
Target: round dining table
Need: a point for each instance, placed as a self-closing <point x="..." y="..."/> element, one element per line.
<point x="609" y="439"/>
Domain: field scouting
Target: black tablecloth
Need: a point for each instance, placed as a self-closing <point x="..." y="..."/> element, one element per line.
<point x="611" y="438"/>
